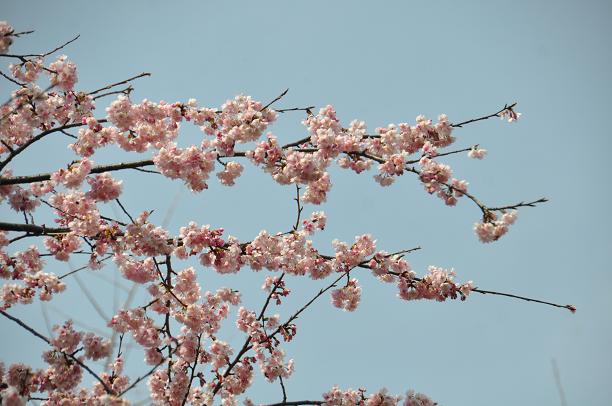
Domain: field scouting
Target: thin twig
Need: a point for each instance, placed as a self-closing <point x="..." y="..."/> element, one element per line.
<point x="83" y="267"/>
<point x="306" y="109"/>
<point x="96" y="169"/>
<point x="571" y="308"/>
<point x="37" y="138"/>
<point x="497" y="114"/>
<point x="119" y="83"/>
<point x="5" y="76"/>
<point x="280" y="96"/>
<point x="125" y="211"/>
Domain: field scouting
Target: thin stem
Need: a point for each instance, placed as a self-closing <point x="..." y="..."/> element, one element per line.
<point x="193" y="369"/>
<point x="497" y="114"/>
<point x="96" y="169"/>
<point x="125" y="211"/>
<point x="32" y="141"/>
<point x="280" y="96"/>
<point x="571" y="308"/>
<point x="299" y="207"/>
<point x="118" y="83"/>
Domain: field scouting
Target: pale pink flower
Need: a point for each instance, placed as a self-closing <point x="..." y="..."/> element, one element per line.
<point x="477" y="153"/>
<point x="61" y="246"/>
<point x="27" y="71"/>
<point x="418" y="399"/>
<point x="67" y="340"/>
<point x="96" y="347"/>
<point x="6" y="34"/>
<point x="64" y="73"/>
<point x="509" y="114"/>
<point x="348" y="297"/>
<point x="23" y="200"/>
<point x="316" y="192"/>
<point x="230" y="173"/>
<point x="104" y="188"/>
<point x="74" y="175"/>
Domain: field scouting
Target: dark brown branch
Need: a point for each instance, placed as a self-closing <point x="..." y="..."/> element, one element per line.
<point x="146" y="375"/>
<point x="71" y="356"/>
<point x="32" y="141"/>
<point x="125" y="92"/>
<point x="414" y="161"/>
<point x="497" y="114"/>
<point x="96" y="169"/>
<point x="297" y="403"/>
<point x="296" y="143"/>
<point x="119" y="83"/>
<point x="83" y="267"/>
<point x="280" y="96"/>
<point x="299" y="207"/>
<point x="193" y="369"/>
<point x="306" y="109"/>
<point x="54" y="50"/>
<point x="282" y="384"/>
<point x="10" y="79"/>
<point x="521" y="204"/>
<point x="23" y="57"/>
<point x="125" y="211"/>
<point x="272" y="291"/>
<point x="34" y="229"/>
<point x="571" y="308"/>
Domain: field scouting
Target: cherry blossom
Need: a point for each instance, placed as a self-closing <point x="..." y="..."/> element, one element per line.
<point x="181" y="327"/>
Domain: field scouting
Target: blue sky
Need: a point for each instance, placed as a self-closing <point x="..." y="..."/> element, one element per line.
<point x="383" y="62"/>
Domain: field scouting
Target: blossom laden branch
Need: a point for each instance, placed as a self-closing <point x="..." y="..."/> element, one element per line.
<point x="71" y="356"/>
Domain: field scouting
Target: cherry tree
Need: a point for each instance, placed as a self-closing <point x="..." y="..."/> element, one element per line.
<point x="179" y="327"/>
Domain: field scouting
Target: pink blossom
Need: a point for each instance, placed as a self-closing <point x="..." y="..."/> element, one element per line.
<point x="22" y="200"/>
<point x="382" y="398"/>
<point x="418" y="399"/>
<point x="27" y="71"/>
<point x="338" y="397"/>
<point x="104" y="188"/>
<point x="492" y="230"/>
<point x="230" y="173"/>
<point x="96" y="347"/>
<point x="10" y="395"/>
<point x="6" y="33"/>
<point x="192" y="165"/>
<point x="241" y="120"/>
<point x="39" y="189"/>
<point x="137" y="271"/>
<point x="144" y="238"/>
<point x="67" y="340"/>
<point x="61" y="246"/>
<point x="509" y="114"/>
<point x="78" y="212"/>
<point x="348" y="297"/>
<point x="316" y="192"/>
<point x="477" y="153"/>
<point x="317" y="220"/>
<point x="64" y="73"/>
<point x="74" y="175"/>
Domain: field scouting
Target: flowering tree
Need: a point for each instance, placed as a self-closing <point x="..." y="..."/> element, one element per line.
<point x="179" y="327"/>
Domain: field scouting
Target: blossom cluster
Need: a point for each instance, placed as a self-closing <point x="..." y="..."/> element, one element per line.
<point x="492" y="228"/>
<point x="339" y="397"/>
<point x="63" y="373"/>
<point x="27" y="267"/>
<point x="198" y="365"/>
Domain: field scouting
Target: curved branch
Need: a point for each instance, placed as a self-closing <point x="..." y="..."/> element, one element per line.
<point x="45" y="339"/>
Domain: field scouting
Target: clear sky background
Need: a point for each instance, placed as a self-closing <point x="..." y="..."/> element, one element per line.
<point x="382" y="62"/>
